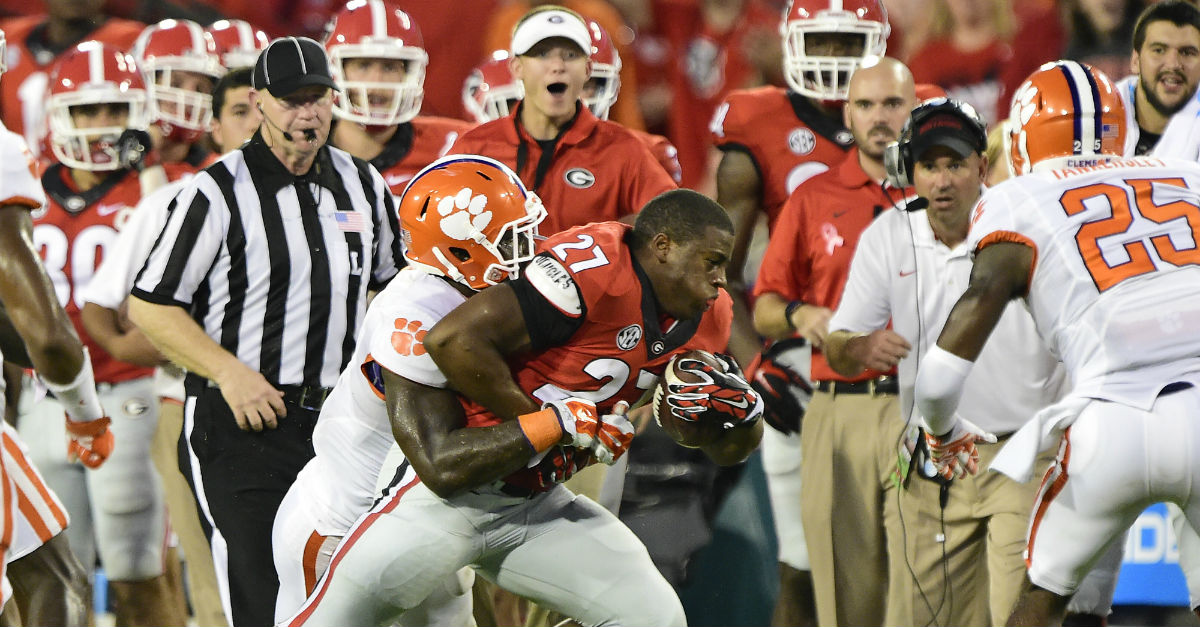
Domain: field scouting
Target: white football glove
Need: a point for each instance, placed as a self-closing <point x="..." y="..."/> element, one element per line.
<point x="578" y="418"/>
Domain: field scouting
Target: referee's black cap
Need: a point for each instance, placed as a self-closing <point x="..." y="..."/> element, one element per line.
<point x="289" y="63"/>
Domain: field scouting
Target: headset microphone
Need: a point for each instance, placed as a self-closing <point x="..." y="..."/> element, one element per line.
<point x="309" y="134"/>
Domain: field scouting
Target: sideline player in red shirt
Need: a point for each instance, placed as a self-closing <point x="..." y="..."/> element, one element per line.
<point x="35" y="42"/>
<point x="585" y="169"/>
<point x="847" y="420"/>
<point x="90" y="195"/>
<point x="594" y="317"/>
<point x="378" y="59"/>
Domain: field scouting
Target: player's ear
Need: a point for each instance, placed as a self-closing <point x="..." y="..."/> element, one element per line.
<point x="661" y="244"/>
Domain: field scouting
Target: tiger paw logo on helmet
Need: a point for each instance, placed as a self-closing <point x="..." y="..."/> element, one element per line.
<point x="463" y="213"/>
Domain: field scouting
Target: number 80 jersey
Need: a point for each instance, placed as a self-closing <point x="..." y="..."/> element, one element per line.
<point x="1115" y="285"/>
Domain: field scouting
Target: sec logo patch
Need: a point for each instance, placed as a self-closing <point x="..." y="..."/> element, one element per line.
<point x="801" y="141"/>
<point x="579" y="178"/>
<point x="629" y="337"/>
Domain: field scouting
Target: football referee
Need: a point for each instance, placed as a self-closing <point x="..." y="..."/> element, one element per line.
<point x="256" y="286"/>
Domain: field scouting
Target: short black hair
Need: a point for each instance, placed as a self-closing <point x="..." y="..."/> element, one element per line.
<point x="683" y="215"/>
<point x="239" y="77"/>
<point x="1177" y="12"/>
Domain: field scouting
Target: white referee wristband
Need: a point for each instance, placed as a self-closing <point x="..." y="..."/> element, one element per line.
<point x="939" y="387"/>
<point x="79" y="397"/>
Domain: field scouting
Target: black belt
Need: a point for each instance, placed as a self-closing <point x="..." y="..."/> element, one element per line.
<point x="308" y="397"/>
<point x="880" y="385"/>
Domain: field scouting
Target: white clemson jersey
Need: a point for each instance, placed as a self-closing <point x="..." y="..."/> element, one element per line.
<point x="19" y="184"/>
<point x="1115" y="288"/>
<point x="353" y="433"/>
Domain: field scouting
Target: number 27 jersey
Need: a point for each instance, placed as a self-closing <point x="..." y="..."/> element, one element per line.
<point x="1115" y="286"/>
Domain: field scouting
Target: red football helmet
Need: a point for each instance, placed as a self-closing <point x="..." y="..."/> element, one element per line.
<point x="469" y="218"/>
<point x="374" y="29"/>
<point x="163" y="50"/>
<point x="1066" y="114"/>
<point x="3" y="53"/>
<point x="605" y="82"/>
<point x="93" y="73"/>
<point x="491" y="91"/>
<point x="819" y="74"/>
<point x="236" y="42"/>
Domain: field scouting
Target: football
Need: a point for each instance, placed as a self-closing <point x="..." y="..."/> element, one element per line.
<point x="689" y="433"/>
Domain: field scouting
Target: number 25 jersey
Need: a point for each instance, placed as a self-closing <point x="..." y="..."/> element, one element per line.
<point x="1115" y="284"/>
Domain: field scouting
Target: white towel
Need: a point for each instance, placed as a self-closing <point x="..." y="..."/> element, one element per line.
<point x="1019" y="455"/>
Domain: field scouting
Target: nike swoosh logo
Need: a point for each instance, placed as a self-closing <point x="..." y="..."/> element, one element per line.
<point x="105" y="210"/>
<point x="741" y="404"/>
<point x="838" y="214"/>
<point x="903" y="273"/>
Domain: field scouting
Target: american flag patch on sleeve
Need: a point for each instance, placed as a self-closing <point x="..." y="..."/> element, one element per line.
<point x="350" y="221"/>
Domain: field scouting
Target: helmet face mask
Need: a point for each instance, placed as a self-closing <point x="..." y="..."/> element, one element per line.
<point x="1066" y="114"/>
<point x="824" y="45"/>
<point x="167" y="52"/>
<point x="92" y="75"/>
<point x="469" y="219"/>
<point x="372" y="30"/>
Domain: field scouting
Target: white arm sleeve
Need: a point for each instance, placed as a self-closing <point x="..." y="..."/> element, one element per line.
<point x="940" y="387"/>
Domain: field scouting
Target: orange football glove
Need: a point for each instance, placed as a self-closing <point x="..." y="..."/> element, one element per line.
<point x="90" y="442"/>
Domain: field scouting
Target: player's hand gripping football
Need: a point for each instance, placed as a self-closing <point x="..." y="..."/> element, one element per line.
<point x="90" y="441"/>
<point x="717" y="395"/>
<point x="954" y="455"/>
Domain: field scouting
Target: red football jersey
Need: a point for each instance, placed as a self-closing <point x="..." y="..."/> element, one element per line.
<point x="599" y="170"/>
<point x="587" y="278"/>
<point x="414" y="145"/>
<point x="787" y="136"/>
<point x="72" y="233"/>
<point x="23" y="90"/>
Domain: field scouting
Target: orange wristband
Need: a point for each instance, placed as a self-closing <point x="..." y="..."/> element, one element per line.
<point x="541" y="428"/>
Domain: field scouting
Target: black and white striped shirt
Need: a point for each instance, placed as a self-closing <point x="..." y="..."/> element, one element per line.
<point x="283" y="289"/>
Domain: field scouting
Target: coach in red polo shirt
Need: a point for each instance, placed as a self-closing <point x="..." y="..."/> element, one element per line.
<point x="585" y="169"/>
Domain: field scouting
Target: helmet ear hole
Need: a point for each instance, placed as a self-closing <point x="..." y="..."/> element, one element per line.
<point x="460" y="253"/>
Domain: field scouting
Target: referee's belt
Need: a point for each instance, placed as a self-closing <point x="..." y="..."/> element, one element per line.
<point x="309" y="397"/>
<point x="886" y="384"/>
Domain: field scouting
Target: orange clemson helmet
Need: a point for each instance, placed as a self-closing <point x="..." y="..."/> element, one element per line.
<point x="1065" y="115"/>
<point x="374" y="29"/>
<point x="491" y="91"/>
<point x="605" y="82"/>
<point x="469" y="218"/>
<point x="237" y="43"/>
<point x="820" y="71"/>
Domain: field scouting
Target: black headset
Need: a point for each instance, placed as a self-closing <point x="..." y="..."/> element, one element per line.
<point x="898" y="158"/>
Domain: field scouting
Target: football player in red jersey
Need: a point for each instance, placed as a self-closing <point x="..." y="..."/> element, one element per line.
<point x="35" y="42"/>
<point x="96" y="93"/>
<point x="179" y="64"/>
<point x="539" y="375"/>
<point x="378" y="60"/>
<point x="772" y="140"/>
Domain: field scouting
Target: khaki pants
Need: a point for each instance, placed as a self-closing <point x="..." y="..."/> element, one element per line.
<point x="185" y="521"/>
<point x="848" y="444"/>
<point x="974" y="576"/>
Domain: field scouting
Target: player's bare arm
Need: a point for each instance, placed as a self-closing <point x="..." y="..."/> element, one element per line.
<point x="54" y="348"/>
<point x="255" y="403"/>
<point x="11" y="344"/>
<point x="772" y="319"/>
<point x="430" y="427"/>
<point x="123" y="341"/>
<point x="469" y="345"/>
<point x="739" y="190"/>
<point x="1000" y="274"/>
<point x="850" y="353"/>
